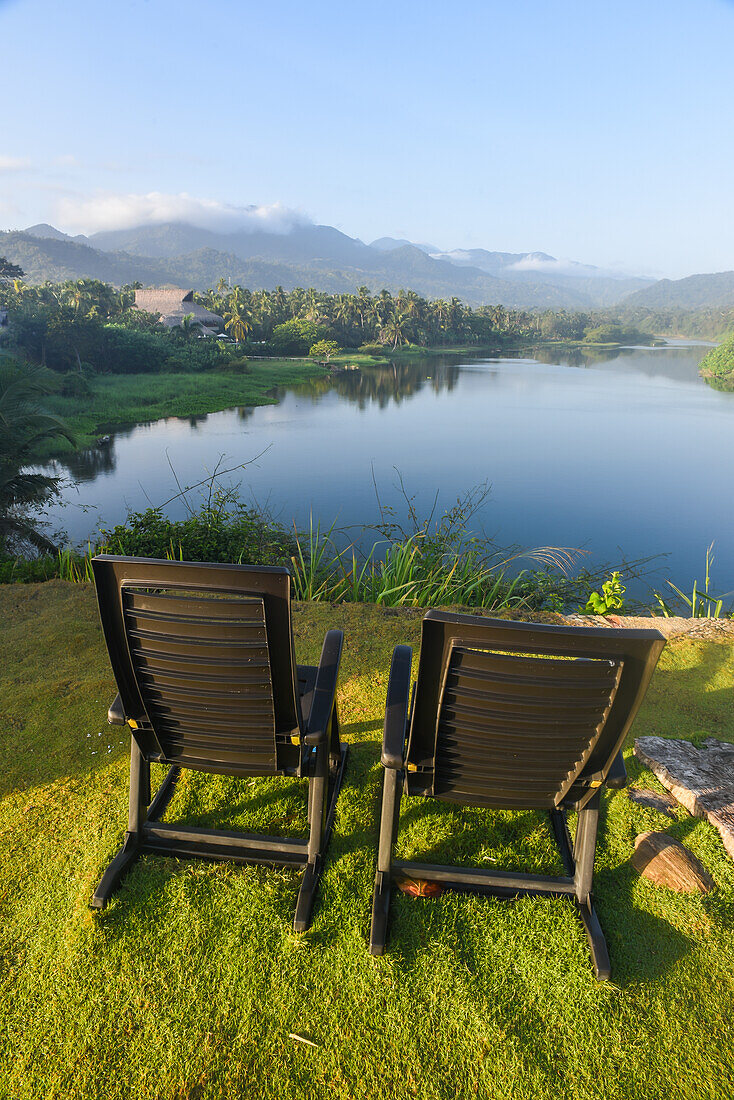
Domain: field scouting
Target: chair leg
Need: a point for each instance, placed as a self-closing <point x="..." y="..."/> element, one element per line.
<point x="597" y="942"/>
<point x="116" y="871"/>
<point x="584" y="851"/>
<point x="137" y="813"/>
<point x="323" y="791"/>
<point x="380" y="914"/>
<point x="389" y="817"/>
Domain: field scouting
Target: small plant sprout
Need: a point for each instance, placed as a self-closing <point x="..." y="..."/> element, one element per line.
<point x="611" y="597"/>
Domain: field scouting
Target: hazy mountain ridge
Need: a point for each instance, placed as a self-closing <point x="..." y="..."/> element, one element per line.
<point x="712" y="291"/>
<point x="58" y="259"/>
<point x="315" y="255"/>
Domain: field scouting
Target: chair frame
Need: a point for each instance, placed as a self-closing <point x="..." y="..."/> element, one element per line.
<point x="577" y="855"/>
<point x="318" y="755"/>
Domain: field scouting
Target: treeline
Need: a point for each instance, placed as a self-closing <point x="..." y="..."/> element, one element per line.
<point x="288" y="322"/>
<point x="700" y="324"/>
<point x="89" y="326"/>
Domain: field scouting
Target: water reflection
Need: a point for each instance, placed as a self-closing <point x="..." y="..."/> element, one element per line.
<point x="623" y="451"/>
<point x="88" y="464"/>
<point x="385" y="385"/>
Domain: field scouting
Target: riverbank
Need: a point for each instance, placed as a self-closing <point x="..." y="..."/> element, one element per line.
<point x="476" y="997"/>
<point x="122" y="400"/>
<point x="117" y="401"/>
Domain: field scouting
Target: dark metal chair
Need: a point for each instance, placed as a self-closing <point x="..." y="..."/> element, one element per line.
<point x="204" y="662"/>
<point x="516" y="716"/>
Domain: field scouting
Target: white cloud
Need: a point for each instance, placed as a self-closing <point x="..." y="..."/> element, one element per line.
<point x="551" y="266"/>
<point x="539" y="262"/>
<point x="109" y="210"/>
<point x="14" y="164"/>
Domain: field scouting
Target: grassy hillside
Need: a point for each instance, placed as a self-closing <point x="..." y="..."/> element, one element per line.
<point x="192" y="984"/>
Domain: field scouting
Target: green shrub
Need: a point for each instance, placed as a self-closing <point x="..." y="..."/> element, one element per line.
<point x="28" y="570"/>
<point x="218" y="532"/>
<point x="296" y="337"/>
<point x="614" y="333"/>
<point x="134" y="351"/>
<point x="719" y="362"/>
<point x="323" y="349"/>
<point x="197" y="355"/>
<point x="372" y="349"/>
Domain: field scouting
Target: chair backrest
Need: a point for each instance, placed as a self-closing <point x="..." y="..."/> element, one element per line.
<point x="204" y="662"/>
<point x="512" y="714"/>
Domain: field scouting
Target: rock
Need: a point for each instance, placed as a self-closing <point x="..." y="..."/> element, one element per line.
<point x="666" y="862"/>
<point x="653" y="800"/>
<point x="702" y="779"/>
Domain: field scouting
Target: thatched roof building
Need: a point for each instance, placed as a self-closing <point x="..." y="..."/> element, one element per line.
<point x="175" y="303"/>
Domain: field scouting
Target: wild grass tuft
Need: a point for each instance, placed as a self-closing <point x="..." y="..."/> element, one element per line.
<point x="700" y="604"/>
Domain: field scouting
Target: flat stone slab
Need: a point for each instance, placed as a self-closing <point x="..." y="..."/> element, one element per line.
<point x="702" y="779"/>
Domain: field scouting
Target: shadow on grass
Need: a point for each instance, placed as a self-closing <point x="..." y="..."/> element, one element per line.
<point x="643" y="946"/>
<point x="269" y="807"/>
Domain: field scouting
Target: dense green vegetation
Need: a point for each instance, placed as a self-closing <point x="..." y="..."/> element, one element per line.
<point x="114" y="401"/>
<point x="115" y="365"/>
<point x="24" y="427"/>
<point x="717" y="366"/>
<point x="699" y="324"/>
<point x="88" y="325"/>
<point x="192" y="984"/>
<point x="428" y="563"/>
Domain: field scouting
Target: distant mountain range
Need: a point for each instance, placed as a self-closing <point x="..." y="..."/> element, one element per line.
<point x="323" y="257"/>
<point x="693" y="292"/>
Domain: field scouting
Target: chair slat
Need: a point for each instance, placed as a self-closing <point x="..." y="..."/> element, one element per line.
<point x="180" y="644"/>
<point x="516" y="726"/>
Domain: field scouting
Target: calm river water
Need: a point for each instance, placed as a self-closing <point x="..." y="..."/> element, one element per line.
<point x="626" y="454"/>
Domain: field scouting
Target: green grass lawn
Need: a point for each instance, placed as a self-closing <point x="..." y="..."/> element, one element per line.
<point x="189" y="984"/>
<point x="121" y="399"/>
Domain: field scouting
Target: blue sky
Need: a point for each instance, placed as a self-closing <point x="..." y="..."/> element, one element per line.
<point x="594" y="131"/>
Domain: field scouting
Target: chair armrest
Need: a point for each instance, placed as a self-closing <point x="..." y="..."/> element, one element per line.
<point x="324" y="692"/>
<point x="617" y="774"/>
<point x="396" y="708"/>
<point x="116" y="715"/>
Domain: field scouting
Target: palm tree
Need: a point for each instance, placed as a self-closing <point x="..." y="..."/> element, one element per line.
<point x="189" y="326"/>
<point x="23" y="426"/>
<point x="238" y="318"/>
<point x="364" y="300"/>
<point x="395" y="328"/>
<point x="314" y="310"/>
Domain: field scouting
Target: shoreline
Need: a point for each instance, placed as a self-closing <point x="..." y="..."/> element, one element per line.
<point x="119" y="402"/>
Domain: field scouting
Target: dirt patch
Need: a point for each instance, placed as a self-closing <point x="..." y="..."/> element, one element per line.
<point x="708" y="630"/>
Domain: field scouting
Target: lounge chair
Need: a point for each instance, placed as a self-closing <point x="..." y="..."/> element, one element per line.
<point x="204" y="663"/>
<point x="514" y="716"/>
